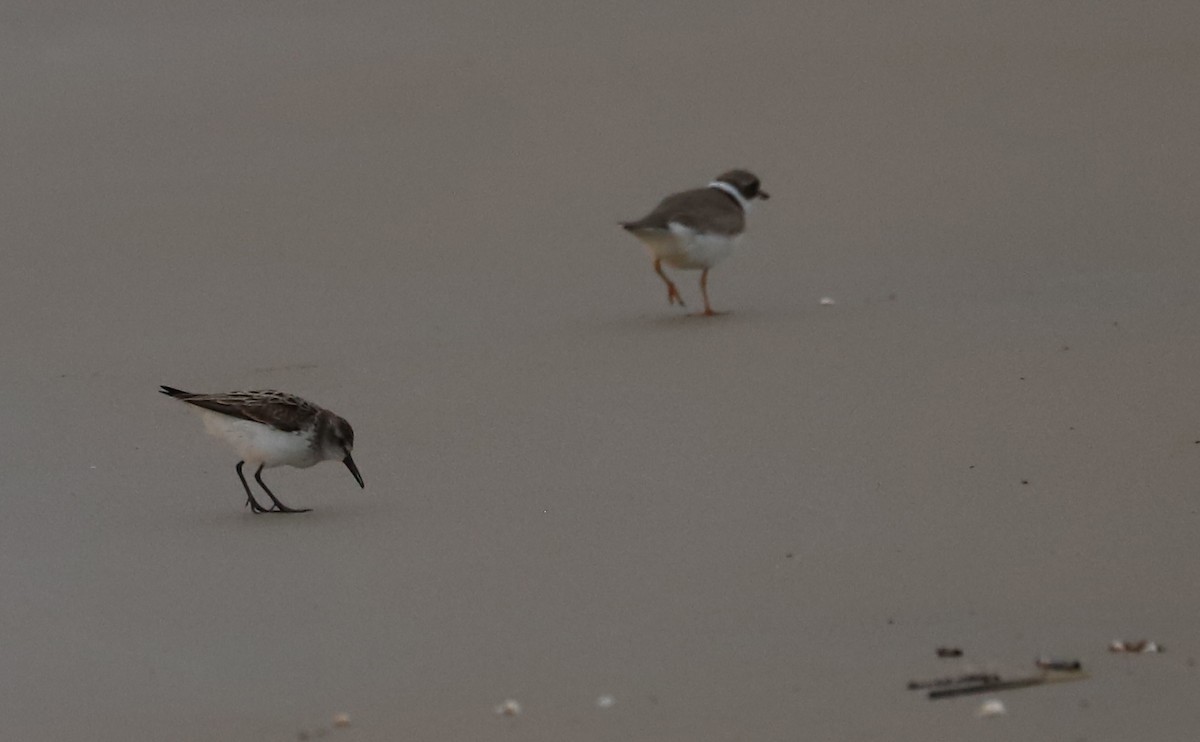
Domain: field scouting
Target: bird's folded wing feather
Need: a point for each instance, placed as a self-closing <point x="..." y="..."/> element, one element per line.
<point x="702" y="210"/>
<point x="284" y="412"/>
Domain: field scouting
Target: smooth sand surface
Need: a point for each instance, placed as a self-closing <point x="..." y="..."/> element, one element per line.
<point x="755" y="527"/>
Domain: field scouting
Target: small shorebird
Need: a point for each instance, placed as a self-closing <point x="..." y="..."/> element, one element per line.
<point x="272" y="428"/>
<point x="696" y="229"/>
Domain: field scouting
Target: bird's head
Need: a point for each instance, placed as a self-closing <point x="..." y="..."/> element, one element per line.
<point x="745" y="182"/>
<point x="339" y="444"/>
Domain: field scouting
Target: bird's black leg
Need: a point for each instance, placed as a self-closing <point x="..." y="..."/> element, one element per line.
<point x="250" y="501"/>
<point x="279" y="506"/>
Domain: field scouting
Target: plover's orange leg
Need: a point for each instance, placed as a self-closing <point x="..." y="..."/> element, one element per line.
<point x="708" y="310"/>
<point x="672" y="292"/>
<point x="279" y="506"/>
<point x="250" y="501"/>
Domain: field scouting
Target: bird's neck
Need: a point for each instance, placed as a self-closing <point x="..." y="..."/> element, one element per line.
<point x="734" y="193"/>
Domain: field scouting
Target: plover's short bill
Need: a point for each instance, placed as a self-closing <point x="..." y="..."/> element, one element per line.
<point x="695" y="230"/>
<point x="272" y="428"/>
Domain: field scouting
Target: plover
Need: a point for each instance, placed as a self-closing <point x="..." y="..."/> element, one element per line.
<point x="272" y="428"/>
<point x="696" y="229"/>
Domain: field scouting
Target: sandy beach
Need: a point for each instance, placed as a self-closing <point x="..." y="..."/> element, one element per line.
<point x="757" y="526"/>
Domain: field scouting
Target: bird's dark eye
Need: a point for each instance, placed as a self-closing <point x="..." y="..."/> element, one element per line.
<point x="752" y="189"/>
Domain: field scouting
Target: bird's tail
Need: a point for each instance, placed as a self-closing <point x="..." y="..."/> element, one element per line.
<point x="171" y="391"/>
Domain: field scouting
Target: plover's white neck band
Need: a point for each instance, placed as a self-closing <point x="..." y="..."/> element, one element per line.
<point x="721" y="185"/>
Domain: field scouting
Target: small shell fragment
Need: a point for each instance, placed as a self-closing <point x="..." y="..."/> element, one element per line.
<point x="508" y="708"/>
<point x="991" y="707"/>
<point x="1141" y="646"/>
<point x="827" y="301"/>
<point x="605" y="702"/>
<point x="341" y="720"/>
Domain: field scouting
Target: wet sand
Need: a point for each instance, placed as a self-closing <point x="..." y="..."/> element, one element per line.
<point x="753" y="527"/>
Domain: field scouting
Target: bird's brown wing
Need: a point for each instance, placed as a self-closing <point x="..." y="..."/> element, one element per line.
<point x="703" y="210"/>
<point x="283" y="411"/>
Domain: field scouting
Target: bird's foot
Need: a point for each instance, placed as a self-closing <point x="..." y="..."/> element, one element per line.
<point x="279" y="507"/>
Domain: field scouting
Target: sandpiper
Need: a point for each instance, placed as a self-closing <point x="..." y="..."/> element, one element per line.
<point x="696" y="229"/>
<point x="271" y="428"/>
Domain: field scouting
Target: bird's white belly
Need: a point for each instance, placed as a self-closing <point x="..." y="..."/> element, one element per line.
<point x="256" y="443"/>
<point x="681" y="247"/>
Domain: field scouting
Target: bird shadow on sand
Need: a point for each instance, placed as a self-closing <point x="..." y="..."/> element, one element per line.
<point x="323" y="516"/>
<point x="681" y="321"/>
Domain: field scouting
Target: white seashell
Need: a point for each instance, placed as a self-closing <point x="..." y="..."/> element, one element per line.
<point x="508" y="708"/>
<point x="341" y="720"/>
<point x="605" y="702"/>
<point x="991" y="707"/>
<point x="827" y="301"/>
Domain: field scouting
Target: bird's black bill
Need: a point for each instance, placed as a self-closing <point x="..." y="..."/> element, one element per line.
<point x="349" y="462"/>
<point x="763" y="195"/>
